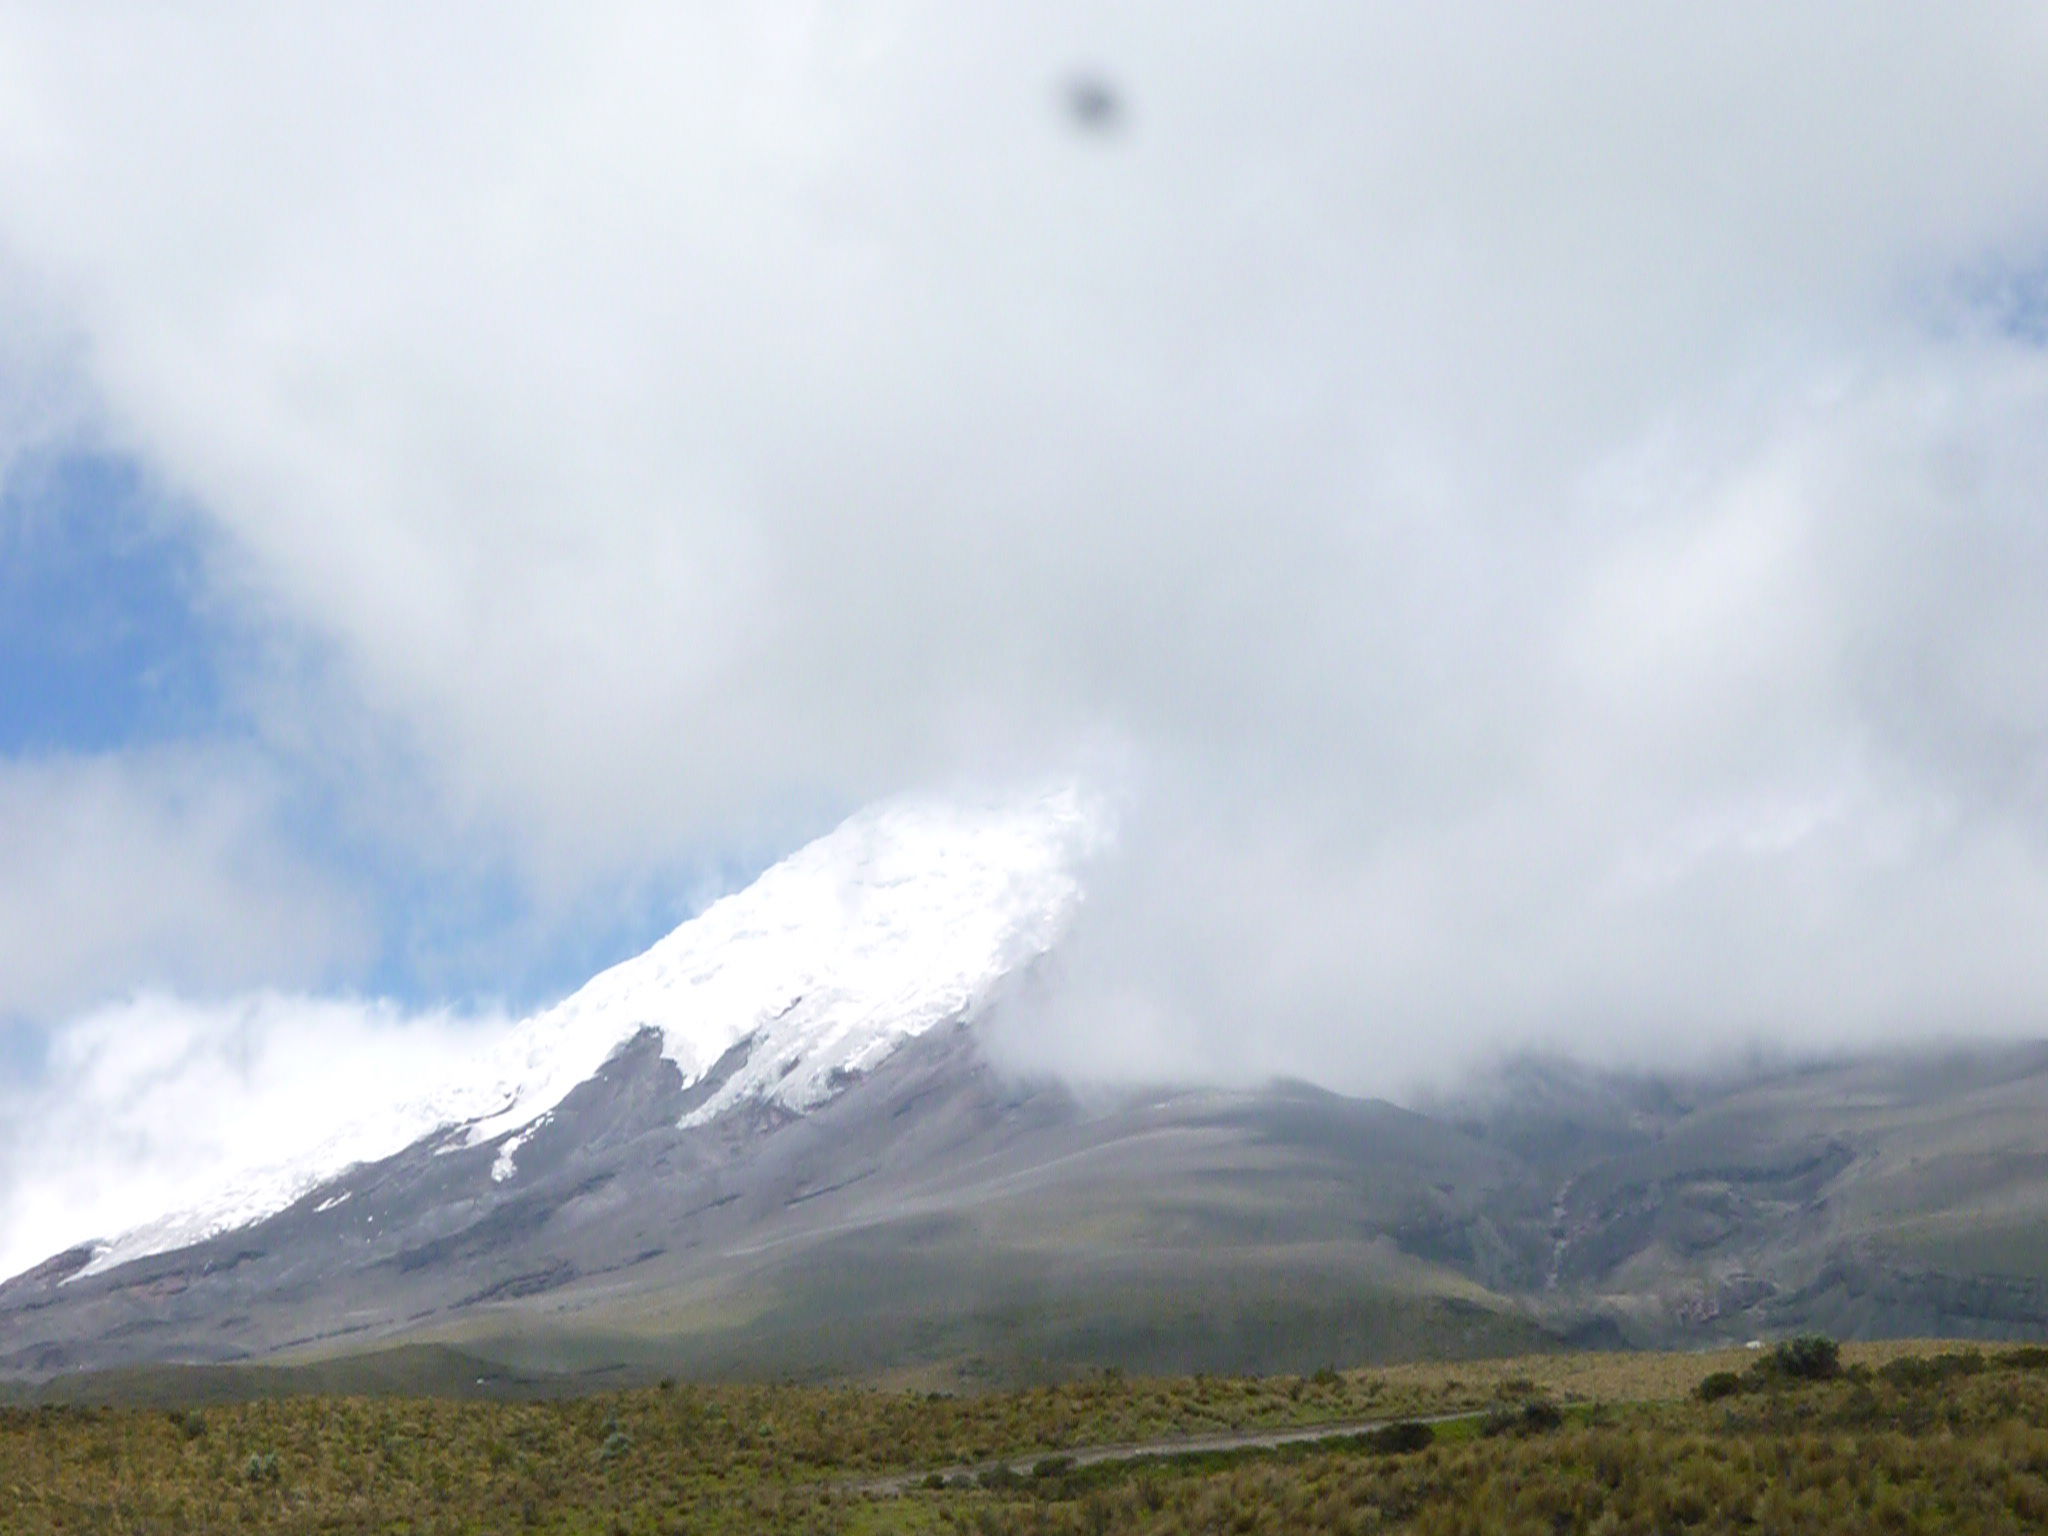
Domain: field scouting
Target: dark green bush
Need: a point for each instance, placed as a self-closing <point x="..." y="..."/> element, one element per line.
<point x="1718" y="1385"/>
<point x="1809" y="1357"/>
<point x="1536" y="1417"/>
<point x="1911" y="1371"/>
<point x="1401" y="1438"/>
<point x="1908" y="1372"/>
<point x="1540" y="1417"/>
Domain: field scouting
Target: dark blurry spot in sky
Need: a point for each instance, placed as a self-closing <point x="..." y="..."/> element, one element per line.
<point x="1092" y="103"/>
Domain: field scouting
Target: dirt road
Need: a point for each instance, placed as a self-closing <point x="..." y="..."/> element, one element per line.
<point x="1182" y="1445"/>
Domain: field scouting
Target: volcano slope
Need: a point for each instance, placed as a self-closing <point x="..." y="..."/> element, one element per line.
<point x="931" y="1214"/>
<point x="774" y="1143"/>
<point x="937" y="1220"/>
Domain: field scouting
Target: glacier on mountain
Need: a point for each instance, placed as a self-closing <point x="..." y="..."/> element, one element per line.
<point x="908" y="915"/>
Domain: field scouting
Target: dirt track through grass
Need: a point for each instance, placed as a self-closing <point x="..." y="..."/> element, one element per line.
<point x="1177" y="1445"/>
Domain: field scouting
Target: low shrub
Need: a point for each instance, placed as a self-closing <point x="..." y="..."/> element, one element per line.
<point x="1909" y="1371"/>
<point x="1540" y="1417"/>
<point x="1537" y="1417"/>
<point x="1718" y="1385"/>
<point x="1400" y="1438"/>
<point x="1808" y="1357"/>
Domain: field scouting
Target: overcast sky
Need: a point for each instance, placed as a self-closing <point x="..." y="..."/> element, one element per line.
<point x="1536" y="513"/>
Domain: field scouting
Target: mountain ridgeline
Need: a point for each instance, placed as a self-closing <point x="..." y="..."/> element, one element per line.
<point x="775" y="1146"/>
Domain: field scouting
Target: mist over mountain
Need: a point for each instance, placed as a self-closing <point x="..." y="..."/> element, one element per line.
<point x="779" y="1141"/>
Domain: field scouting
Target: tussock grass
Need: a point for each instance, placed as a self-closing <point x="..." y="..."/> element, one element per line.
<point x="1882" y="1447"/>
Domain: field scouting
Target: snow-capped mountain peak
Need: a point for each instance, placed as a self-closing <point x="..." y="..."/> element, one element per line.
<point x="908" y="915"/>
<point x="904" y="917"/>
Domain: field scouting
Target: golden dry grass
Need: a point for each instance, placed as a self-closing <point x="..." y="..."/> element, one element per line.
<point x="1603" y="1376"/>
<point x="770" y="1459"/>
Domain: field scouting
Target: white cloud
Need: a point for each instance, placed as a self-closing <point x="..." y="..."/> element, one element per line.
<point x="1504" y="477"/>
<point x="154" y="868"/>
<point x="153" y="1106"/>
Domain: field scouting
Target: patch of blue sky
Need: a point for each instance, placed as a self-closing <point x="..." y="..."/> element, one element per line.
<point x="2023" y="305"/>
<point x="106" y="639"/>
<point x="2009" y="298"/>
<point x="473" y="936"/>
<point x="23" y="1051"/>
<point x="109" y="640"/>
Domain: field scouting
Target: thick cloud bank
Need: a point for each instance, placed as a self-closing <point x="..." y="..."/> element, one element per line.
<point x="163" y="862"/>
<point x="153" y="1107"/>
<point x="1535" y="509"/>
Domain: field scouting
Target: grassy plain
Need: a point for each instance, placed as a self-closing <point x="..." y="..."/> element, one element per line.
<point x="1956" y="1445"/>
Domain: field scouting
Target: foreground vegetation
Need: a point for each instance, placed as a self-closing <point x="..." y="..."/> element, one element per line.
<point x="1801" y="1439"/>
